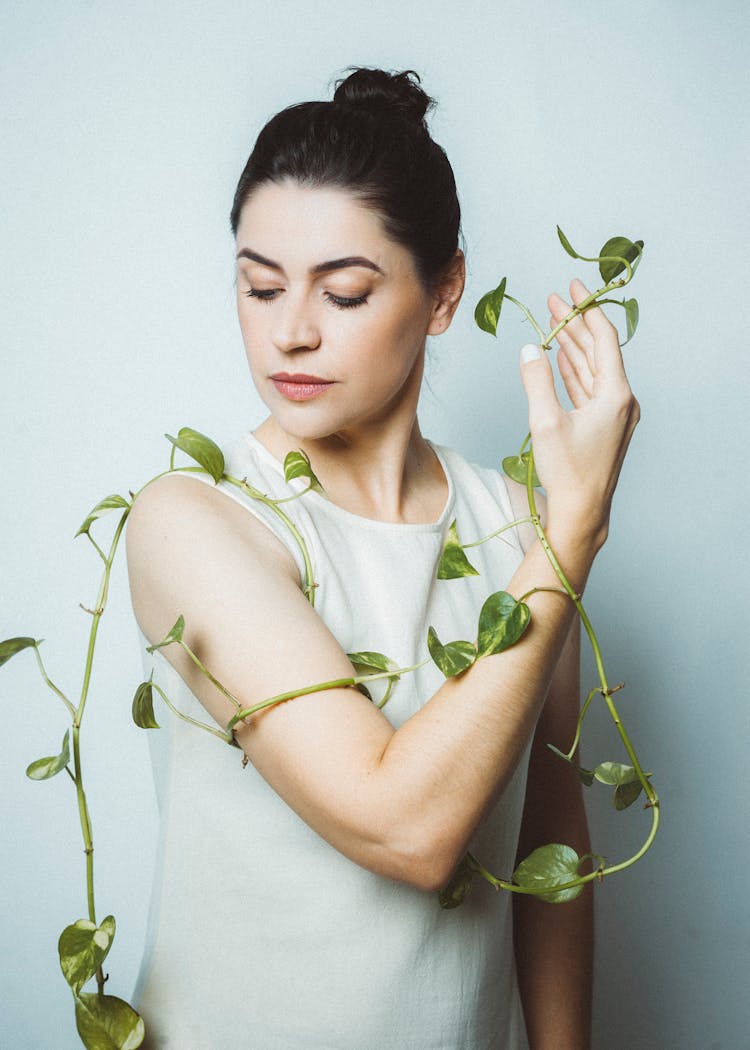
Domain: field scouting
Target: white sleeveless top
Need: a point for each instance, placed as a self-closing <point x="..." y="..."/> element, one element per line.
<point x="261" y="935"/>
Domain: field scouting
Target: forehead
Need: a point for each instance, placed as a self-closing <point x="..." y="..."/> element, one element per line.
<point x="304" y="225"/>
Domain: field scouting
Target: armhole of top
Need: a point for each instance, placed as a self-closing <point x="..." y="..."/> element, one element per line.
<point x="520" y="507"/>
<point x="259" y="511"/>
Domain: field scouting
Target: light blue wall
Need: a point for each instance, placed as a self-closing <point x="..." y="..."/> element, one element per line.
<point x="124" y="127"/>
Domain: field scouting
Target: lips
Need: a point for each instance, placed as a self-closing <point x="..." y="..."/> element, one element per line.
<point x="300" y="386"/>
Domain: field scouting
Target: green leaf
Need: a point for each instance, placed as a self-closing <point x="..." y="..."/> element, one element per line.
<point x="175" y="635"/>
<point x="614" y="773"/>
<point x="626" y="794"/>
<point x="143" y="706"/>
<point x="547" y="867"/>
<point x="105" y="1022"/>
<point x="11" y="646"/>
<point x="44" y="768"/>
<point x="502" y="621"/>
<point x="586" y="776"/>
<point x="567" y="245"/>
<point x="516" y="467"/>
<point x="487" y="310"/>
<point x="459" y="887"/>
<point x="453" y="562"/>
<point x="371" y="663"/>
<point x="624" y="779"/>
<point x="202" y="449"/>
<point x="114" y="502"/>
<point x="452" y="658"/>
<point x="297" y="465"/>
<point x="83" y="947"/>
<point x="375" y="663"/>
<point x="610" y="267"/>
<point x="631" y="317"/>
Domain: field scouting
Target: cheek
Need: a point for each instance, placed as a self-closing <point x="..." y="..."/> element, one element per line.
<point x="251" y="329"/>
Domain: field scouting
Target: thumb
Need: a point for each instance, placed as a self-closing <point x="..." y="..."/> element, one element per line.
<point x="539" y="384"/>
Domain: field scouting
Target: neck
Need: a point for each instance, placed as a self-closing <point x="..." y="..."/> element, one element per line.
<point x="386" y="473"/>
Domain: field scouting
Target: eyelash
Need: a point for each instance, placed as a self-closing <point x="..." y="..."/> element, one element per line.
<point x="340" y="302"/>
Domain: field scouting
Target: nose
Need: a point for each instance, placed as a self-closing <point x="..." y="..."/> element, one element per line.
<point x="295" y="327"/>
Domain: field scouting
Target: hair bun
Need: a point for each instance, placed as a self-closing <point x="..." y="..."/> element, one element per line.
<point x="378" y="91"/>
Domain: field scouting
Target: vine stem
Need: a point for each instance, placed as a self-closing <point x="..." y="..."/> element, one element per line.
<point x="226" y="737"/>
<point x="310" y="585"/>
<point x="319" y="687"/>
<point x="83" y="810"/>
<point x="213" y="680"/>
<point x="51" y="684"/>
<point x="653" y="799"/>
<point x="527" y="312"/>
<point x="588" y="303"/>
<point x="497" y="532"/>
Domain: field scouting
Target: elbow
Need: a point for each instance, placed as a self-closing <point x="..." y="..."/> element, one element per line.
<point x="436" y="877"/>
<point x="427" y="865"/>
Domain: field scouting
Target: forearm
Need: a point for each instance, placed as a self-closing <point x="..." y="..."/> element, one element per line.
<point x="554" y="950"/>
<point x="441" y="771"/>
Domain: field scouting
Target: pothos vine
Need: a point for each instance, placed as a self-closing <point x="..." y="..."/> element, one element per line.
<point x="553" y="872"/>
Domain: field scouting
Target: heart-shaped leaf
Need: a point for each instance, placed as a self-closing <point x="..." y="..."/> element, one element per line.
<point x="202" y="449"/>
<point x="44" y="768"/>
<point x="374" y="663"/>
<point x="517" y="468"/>
<point x="453" y="562"/>
<point x="105" y="505"/>
<point x="626" y="794"/>
<point x="105" y="1022"/>
<point x="452" y="658"/>
<point x="631" y="317"/>
<point x="83" y="947"/>
<point x="547" y="867"/>
<point x="502" y="621"/>
<point x="623" y="778"/>
<point x="371" y="663"/>
<point x="11" y="646"/>
<point x="297" y="465"/>
<point x="613" y="252"/>
<point x="175" y="635"/>
<point x="614" y="773"/>
<point x="487" y="310"/>
<point x="143" y="706"/>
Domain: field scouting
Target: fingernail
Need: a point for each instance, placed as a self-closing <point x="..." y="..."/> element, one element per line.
<point x="530" y="352"/>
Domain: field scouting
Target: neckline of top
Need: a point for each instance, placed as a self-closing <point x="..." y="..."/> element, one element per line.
<point x="328" y="506"/>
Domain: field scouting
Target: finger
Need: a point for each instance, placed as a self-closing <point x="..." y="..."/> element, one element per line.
<point x="539" y="384"/>
<point x="575" y="328"/>
<point x="608" y="356"/>
<point x="577" y="392"/>
<point x="577" y="359"/>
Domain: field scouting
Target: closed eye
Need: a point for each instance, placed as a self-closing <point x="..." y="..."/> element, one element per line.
<point x="343" y="303"/>
<point x="265" y="295"/>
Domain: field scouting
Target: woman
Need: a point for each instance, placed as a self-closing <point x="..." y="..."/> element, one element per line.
<point x="295" y="902"/>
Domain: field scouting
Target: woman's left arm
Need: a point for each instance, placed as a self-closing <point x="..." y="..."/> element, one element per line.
<point x="554" y="942"/>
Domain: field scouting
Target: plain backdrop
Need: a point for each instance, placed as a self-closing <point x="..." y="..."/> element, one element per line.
<point x="124" y="129"/>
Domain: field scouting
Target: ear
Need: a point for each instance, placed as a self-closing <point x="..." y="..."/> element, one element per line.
<point x="448" y="295"/>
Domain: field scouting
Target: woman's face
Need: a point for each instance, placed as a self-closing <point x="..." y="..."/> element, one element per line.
<point x="332" y="312"/>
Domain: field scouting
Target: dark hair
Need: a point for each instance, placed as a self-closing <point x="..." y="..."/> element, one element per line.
<point x="372" y="139"/>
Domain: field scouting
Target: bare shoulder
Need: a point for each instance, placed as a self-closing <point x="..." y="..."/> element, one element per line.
<point x="181" y="533"/>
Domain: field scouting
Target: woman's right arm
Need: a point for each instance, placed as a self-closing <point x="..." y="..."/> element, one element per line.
<point x="403" y="803"/>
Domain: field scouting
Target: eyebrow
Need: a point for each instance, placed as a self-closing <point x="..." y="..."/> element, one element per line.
<point x="324" y="267"/>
